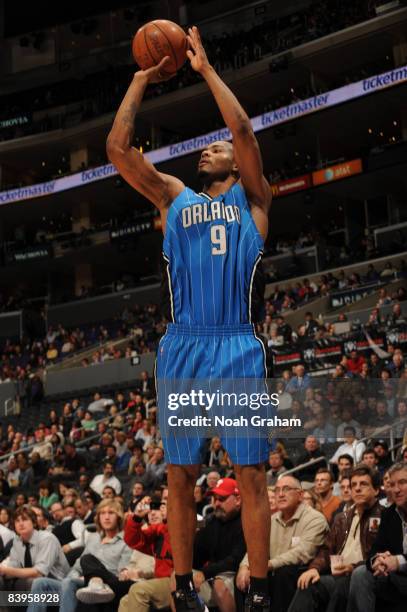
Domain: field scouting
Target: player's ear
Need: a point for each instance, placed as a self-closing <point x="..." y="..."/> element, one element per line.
<point x="235" y="170"/>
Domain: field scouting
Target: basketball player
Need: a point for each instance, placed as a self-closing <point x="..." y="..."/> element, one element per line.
<point x="213" y="242"/>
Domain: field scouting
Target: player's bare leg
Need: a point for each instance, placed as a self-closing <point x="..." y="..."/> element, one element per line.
<point x="181" y="519"/>
<point x="181" y="514"/>
<point x="256" y="525"/>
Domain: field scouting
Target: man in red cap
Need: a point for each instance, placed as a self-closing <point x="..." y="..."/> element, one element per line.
<point x="219" y="547"/>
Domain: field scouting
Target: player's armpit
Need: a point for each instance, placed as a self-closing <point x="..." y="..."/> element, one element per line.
<point x="260" y="218"/>
<point x="161" y="189"/>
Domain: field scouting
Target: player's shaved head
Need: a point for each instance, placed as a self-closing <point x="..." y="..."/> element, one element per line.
<point x="224" y="143"/>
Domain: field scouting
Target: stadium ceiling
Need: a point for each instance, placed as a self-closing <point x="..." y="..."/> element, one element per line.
<point x="44" y="14"/>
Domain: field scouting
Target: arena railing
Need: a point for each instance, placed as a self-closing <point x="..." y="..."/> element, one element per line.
<point x="300" y="467"/>
<point x="74" y="359"/>
<point x="362" y="316"/>
<point x="358" y="267"/>
<point x="97" y="435"/>
<point x="112" y="374"/>
<point x="383" y="236"/>
<point x="30" y="447"/>
<point x="106" y="419"/>
<point x="383" y="430"/>
<point x="305" y="260"/>
<point x="380" y="431"/>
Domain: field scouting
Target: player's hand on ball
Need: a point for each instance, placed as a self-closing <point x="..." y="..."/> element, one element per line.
<point x="196" y="53"/>
<point x="157" y="74"/>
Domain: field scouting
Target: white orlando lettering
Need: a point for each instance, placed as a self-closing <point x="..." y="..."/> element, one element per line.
<point x="209" y="211"/>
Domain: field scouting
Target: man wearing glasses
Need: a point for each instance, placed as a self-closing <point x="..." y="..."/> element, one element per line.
<point x="297" y="531"/>
<point x="325" y="584"/>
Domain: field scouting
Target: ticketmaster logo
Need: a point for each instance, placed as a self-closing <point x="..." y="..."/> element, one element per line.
<point x="294" y="110"/>
<point x="382" y="80"/>
<point x="199" y="142"/>
<point x="87" y="176"/>
<point x="24" y="193"/>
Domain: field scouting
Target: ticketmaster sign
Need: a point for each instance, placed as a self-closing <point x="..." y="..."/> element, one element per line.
<point x="261" y="122"/>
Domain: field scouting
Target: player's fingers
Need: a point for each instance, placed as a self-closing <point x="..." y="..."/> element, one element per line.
<point x="197" y="34"/>
<point x="163" y="62"/>
<point x="196" y="37"/>
<point x="190" y="55"/>
<point x="198" y="42"/>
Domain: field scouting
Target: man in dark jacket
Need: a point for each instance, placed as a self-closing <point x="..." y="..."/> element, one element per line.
<point x="312" y="451"/>
<point x="219" y="547"/>
<point x="381" y="449"/>
<point x="324" y="586"/>
<point x="383" y="579"/>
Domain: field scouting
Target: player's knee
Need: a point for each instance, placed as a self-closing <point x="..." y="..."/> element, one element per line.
<point x="251" y="477"/>
<point x="182" y="476"/>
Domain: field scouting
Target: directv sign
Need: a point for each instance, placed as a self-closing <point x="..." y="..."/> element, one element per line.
<point x="30" y="254"/>
<point x="343" y="298"/>
<point x="293" y="111"/>
<point x="133" y="229"/>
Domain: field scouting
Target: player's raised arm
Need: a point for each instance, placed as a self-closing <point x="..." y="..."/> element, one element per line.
<point x="136" y="169"/>
<point x="245" y="146"/>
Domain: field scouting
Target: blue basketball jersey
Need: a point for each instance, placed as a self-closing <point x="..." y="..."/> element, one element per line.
<point x="212" y="248"/>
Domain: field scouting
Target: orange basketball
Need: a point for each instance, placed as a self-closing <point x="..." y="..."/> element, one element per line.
<point x="155" y="40"/>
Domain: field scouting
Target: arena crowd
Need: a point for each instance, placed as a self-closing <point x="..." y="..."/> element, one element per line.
<point x="84" y="495"/>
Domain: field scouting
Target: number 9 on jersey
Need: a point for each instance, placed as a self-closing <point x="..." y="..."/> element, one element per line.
<point x="218" y="239"/>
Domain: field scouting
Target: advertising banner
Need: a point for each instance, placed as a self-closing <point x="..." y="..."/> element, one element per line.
<point x="350" y="296"/>
<point x="132" y="229"/>
<point x="272" y="118"/>
<point x="320" y="355"/>
<point x="298" y="183"/>
<point x="43" y="251"/>
<point x="337" y="172"/>
<point x="17" y="121"/>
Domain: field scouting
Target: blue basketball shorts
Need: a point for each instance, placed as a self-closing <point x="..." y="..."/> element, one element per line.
<point x="214" y="354"/>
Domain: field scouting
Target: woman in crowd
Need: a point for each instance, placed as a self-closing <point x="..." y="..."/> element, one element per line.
<point x="47" y="494"/>
<point x="144" y="433"/>
<point x="216" y="455"/>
